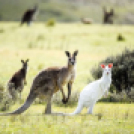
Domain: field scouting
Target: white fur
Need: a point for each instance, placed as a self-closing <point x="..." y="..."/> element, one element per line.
<point x="93" y="92"/>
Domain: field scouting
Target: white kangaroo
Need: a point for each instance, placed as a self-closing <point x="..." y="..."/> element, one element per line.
<point x="94" y="91"/>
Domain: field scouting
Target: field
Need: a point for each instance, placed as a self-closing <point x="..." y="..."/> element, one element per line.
<point x="45" y="47"/>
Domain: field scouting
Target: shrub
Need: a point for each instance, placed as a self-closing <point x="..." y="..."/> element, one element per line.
<point x="120" y="37"/>
<point x="131" y="94"/>
<point x="31" y="45"/>
<point x="40" y="37"/>
<point x="122" y="72"/>
<point x="117" y="97"/>
<point x="50" y="23"/>
<point x="6" y="103"/>
<point x="4" y="99"/>
<point x="57" y="99"/>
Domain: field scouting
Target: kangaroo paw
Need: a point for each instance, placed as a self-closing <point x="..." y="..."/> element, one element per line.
<point x="64" y="101"/>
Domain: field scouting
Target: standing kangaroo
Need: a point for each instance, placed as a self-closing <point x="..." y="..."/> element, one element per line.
<point x="94" y="91"/>
<point x="49" y="81"/>
<point x="17" y="81"/>
<point x="29" y="15"/>
<point x="108" y="16"/>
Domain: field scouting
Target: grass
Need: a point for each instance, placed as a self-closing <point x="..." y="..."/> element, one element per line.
<point x="43" y="46"/>
<point x="112" y="119"/>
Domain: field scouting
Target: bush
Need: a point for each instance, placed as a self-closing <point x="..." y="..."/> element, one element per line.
<point x="122" y="72"/>
<point x="6" y="103"/>
<point x="117" y="97"/>
<point x="131" y="94"/>
<point x="50" y="23"/>
<point x="57" y="99"/>
<point x="120" y="37"/>
<point x="4" y="99"/>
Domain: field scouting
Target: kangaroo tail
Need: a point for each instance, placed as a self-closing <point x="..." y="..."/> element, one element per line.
<point x="77" y="111"/>
<point x="24" y="107"/>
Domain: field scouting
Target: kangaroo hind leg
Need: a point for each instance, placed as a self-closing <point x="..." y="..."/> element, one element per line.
<point x="90" y="110"/>
<point x="48" y="107"/>
<point x="49" y="98"/>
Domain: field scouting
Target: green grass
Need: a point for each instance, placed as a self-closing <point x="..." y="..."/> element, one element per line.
<point x="43" y="46"/>
<point x="112" y="119"/>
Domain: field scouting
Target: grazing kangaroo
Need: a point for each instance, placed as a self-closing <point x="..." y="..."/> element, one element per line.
<point x="17" y="81"/>
<point x="29" y="15"/>
<point x="49" y="81"/>
<point x="94" y="91"/>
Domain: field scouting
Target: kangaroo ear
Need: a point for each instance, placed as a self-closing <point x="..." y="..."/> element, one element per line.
<point x="22" y="61"/>
<point x="27" y="60"/>
<point x="102" y="66"/>
<point x="110" y="65"/>
<point x="67" y="54"/>
<point x="75" y="53"/>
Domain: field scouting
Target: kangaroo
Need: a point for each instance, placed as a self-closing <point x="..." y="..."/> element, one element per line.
<point x="49" y="81"/>
<point x="29" y="15"/>
<point x="86" y="21"/>
<point x="94" y="91"/>
<point x="108" y="16"/>
<point x="17" y="81"/>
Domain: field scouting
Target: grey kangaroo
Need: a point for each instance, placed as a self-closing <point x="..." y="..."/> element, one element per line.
<point x="17" y="81"/>
<point x="48" y="82"/>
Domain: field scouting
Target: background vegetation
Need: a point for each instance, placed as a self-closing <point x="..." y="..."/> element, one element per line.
<point x="68" y="10"/>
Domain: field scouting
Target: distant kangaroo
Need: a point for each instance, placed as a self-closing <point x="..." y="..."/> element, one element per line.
<point x="86" y="20"/>
<point x="29" y="15"/>
<point x="49" y="81"/>
<point x="108" y="16"/>
<point x="17" y="81"/>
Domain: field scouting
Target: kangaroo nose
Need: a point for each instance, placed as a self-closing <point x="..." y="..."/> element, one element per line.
<point x="72" y="63"/>
<point x="107" y="72"/>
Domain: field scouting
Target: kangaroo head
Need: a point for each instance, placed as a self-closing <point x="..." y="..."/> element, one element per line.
<point x="110" y="12"/>
<point x="104" y="10"/>
<point x="36" y="7"/>
<point x="25" y="63"/>
<point x="107" y="69"/>
<point x="71" y="58"/>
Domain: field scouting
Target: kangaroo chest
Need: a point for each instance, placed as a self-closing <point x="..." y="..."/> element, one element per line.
<point x="66" y="80"/>
<point x="68" y="77"/>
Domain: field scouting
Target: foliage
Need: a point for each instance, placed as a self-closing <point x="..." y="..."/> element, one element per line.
<point x="57" y="99"/>
<point x="121" y="97"/>
<point x="122" y="72"/>
<point x="50" y="23"/>
<point x="68" y="11"/>
<point x="120" y="38"/>
<point x="6" y="102"/>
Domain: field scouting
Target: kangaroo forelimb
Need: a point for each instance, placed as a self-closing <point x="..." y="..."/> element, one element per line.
<point x="69" y="90"/>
